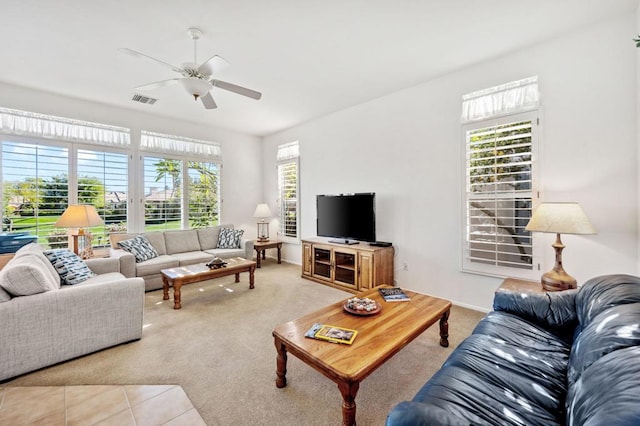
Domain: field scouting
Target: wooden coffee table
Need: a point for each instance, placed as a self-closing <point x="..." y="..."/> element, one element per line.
<point x="379" y="337"/>
<point x="181" y="275"/>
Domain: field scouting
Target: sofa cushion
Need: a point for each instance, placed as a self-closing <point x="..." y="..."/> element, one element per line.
<point x="156" y="239"/>
<point x="25" y="277"/>
<point x="115" y="238"/>
<point x="614" y="329"/>
<point x="607" y="394"/>
<point x="226" y="253"/>
<point x="208" y="237"/>
<point x="104" y="278"/>
<point x="4" y="296"/>
<point x="70" y="267"/>
<point x="191" y="257"/>
<point x="153" y="266"/>
<point x="181" y="241"/>
<point x="229" y="238"/>
<point x="140" y="247"/>
<point x="601" y="293"/>
<point x="37" y="252"/>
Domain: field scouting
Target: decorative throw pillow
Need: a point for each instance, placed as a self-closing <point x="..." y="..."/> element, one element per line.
<point x="25" y="277"/>
<point x="69" y="266"/>
<point x="229" y="238"/>
<point x="140" y="247"/>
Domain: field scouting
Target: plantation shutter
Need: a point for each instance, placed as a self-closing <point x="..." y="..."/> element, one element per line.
<point x="500" y="142"/>
<point x="288" y="189"/>
<point x="499" y="195"/>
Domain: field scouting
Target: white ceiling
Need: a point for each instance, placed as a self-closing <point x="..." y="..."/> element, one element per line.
<point x="308" y="58"/>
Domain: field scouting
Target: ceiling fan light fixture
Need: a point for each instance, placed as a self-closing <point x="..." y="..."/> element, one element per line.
<point x="195" y="86"/>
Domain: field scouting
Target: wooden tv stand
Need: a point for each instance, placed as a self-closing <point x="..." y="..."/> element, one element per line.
<point x="353" y="268"/>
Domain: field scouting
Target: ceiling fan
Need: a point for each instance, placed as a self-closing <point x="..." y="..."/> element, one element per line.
<point x="196" y="79"/>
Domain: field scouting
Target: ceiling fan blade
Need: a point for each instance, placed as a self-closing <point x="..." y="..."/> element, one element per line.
<point x="208" y="102"/>
<point x="213" y="64"/>
<point x="157" y="84"/>
<point x="147" y="57"/>
<point x="237" y="89"/>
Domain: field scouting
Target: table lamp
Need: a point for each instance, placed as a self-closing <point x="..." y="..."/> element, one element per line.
<point x="79" y="216"/>
<point x="559" y="218"/>
<point x="262" y="212"/>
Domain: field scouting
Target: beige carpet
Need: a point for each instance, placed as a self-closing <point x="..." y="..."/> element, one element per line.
<point x="219" y="348"/>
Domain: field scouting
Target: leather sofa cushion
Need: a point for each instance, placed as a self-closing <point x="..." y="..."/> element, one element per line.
<point x="181" y="241"/>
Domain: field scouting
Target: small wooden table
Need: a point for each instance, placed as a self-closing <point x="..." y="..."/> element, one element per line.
<point x="379" y="337"/>
<point x="177" y="277"/>
<point x="261" y="246"/>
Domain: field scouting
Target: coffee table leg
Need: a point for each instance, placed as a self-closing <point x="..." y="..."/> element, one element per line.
<point x="444" y="330"/>
<point x="281" y="364"/>
<point x="177" y="294"/>
<point x="251" y="277"/>
<point x="165" y="288"/>
<point x="279" y="253"/>
<point x="258" y="257"/>
<point x="348" y="391"/>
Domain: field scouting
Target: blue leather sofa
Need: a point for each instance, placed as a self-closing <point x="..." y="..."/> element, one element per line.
<point x="559" y="358"/>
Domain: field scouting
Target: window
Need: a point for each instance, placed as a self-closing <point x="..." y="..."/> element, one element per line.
<point x="204" y="193"/>
<point x="167" y="205"/>
<point x="500" y="178"/>
<point x="34" y="190"/>
<point x="102" y="181"/>
<point x="288" y="191"/>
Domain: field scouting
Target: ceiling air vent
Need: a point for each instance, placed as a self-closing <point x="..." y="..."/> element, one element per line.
<point x="143" y="99"/>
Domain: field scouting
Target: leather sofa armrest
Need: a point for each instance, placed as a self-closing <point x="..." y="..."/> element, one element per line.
<point x="127" y="262"/>
<point x="550" y="309"/>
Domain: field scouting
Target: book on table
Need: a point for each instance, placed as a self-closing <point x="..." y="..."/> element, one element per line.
<point x="331" y="333"/>
<point x="394" y="294"/>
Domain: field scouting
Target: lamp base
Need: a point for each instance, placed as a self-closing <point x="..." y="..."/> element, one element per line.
<point x="558" y="281"/>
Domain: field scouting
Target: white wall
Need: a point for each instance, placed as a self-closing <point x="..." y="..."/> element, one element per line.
<point x="405" y="147"/>
<point x="242" y="154"/>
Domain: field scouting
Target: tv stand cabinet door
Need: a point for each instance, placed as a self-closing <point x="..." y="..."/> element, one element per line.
<point x="307" y="259"/>
<point x="365" y="271"/>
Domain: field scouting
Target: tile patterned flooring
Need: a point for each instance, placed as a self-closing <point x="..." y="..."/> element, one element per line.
<point x="134" y="405"/>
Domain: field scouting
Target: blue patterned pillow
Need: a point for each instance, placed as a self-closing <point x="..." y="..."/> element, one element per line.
<point x="69" y="266"/>
<point x="140" y="247"/>
<point x="229" y="238"/>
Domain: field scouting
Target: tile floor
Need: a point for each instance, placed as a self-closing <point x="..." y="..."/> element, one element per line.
<point x="134" y="405"/>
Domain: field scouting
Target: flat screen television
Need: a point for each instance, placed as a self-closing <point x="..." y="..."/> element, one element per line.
<point x="347" y="217"/>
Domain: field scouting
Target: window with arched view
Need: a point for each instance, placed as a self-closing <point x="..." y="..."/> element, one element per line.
<point x="499" y="193"/>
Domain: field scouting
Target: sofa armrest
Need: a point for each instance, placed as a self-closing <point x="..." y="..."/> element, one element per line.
<point x="103" y="265"/>
<point x="127" y="262"/>
<point x="248" y="248"/>
<point x="556" y="309"/>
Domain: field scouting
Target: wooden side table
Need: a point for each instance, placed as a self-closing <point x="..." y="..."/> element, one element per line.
<point x="516" y="285"/>
<point x="261" y="246"/>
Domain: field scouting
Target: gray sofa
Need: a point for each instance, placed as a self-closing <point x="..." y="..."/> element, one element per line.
<point x="175" y="248"/>
<point x="64" y="322"/>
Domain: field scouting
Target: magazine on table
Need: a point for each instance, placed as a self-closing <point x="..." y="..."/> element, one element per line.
<point x="394" y="294"/>
<point x="331" y="333"/>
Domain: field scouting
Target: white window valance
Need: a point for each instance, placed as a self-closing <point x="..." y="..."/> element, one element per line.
<point x="510" y="98"/>
<point x="23" y="123"/>
<point x="288" y="151"/>
<point x="171" y="144"/>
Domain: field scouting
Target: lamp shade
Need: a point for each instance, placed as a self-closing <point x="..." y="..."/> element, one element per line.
<point x="560" y="218"/>
<point x="79" y="216"/>
<point x="262" y="211"/>
<point x="196" y="86"/>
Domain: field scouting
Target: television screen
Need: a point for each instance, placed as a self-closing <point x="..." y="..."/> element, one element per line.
<point x="347" y="216"/>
